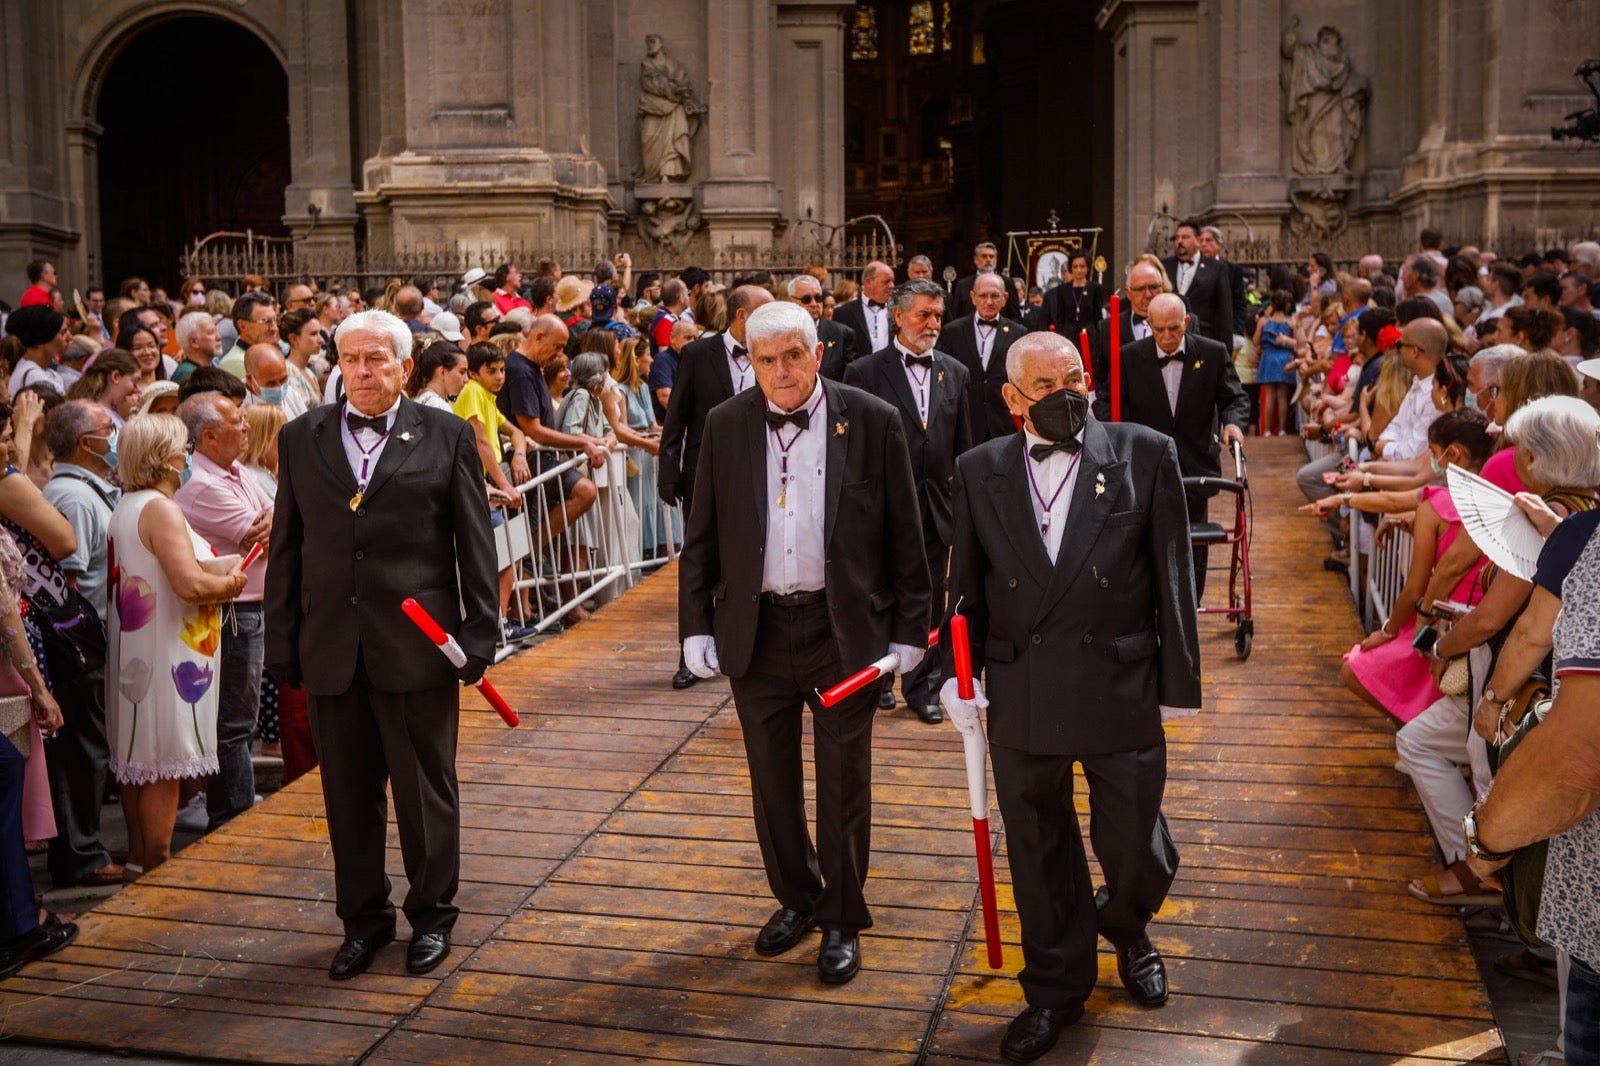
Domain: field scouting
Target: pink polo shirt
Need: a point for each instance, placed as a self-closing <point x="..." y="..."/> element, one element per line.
<point x="220" y="505"/>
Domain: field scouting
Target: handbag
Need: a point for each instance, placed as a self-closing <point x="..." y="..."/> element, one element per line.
<point x="16" y="718"/>
<point x="1454" y="680"/>
<point x="74" y="638"/>
<point x="1523" y="876"/>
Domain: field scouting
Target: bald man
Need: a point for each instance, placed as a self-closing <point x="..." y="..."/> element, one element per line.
<point x="1069" y="567"/>
<point x="1184" y="385"/>
<point x="869" y="314"/>
<point x="266" y="376"/>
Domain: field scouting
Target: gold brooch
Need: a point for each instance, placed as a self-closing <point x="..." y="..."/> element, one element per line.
<point x="406" y="436"/>
<point x="838" y="429"/>
<point x="1197" y="364"/>
<point x="1099" y="485"/>
<point x="941" y="377"/>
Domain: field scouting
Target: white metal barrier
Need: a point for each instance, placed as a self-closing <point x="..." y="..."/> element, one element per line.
<point x="562" y="565"/>
<point x="1386" y="576"/>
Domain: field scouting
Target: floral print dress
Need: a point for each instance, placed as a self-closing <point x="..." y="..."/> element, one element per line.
<point x="161" y="695"/>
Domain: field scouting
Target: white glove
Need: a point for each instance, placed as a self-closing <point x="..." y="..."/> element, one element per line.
<point x="1169" y="713"/>
<point x="700" y="656"/>
<point x="963" y="714"/>
<point x="906" y="657"/>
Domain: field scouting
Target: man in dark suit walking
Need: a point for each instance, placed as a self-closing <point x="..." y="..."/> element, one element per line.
<point x="1238" y="281"/>
<point x="1144" y="281"/>
<point x="710" y="370"/>
<point x="930" y="390"/>
<point x="380" y="499"/>
<point x="1205" y="284"/>
<point x="1184" y="385"/>
<point x="1081" y="616"/>
<point x="985" y="260"/>
<point x="838" y="342"/>
<point x="868" y="314"/>
<point x="980" y="341"/>
<point x="803" y="563"/>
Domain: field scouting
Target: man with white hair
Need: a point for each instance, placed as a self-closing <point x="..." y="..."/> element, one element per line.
<point x="838" y="342"/>
<point x="380" y="500"/>
<point x="919" y="268"/>
<point x="802" y="564"/>
<point x="985" y="260"/>
<point x="1211" y="242"/>
<point x="869" y="315"/>
<point x="197" y="344"/>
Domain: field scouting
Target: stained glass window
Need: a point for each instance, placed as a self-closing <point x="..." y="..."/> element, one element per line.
<point x="944" y="27"/>
<point x="864" y="33"/>
<point x="921" y="29"/>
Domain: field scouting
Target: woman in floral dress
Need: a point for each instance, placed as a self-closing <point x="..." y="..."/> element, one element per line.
<point x="166" y="624"/>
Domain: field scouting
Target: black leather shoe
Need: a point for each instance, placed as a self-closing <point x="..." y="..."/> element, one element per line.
<point x="1035" y="1031"/>
<point x="684" y="678"/>
<point x="782" y="932"/>
<point x="354" y="956"/>
<point x="1143" y="973"/>
<point x="886" y="699"/>
<point x="840" y="957"/>
<point x="47" y="938"/>
<point x="427" y="950"/>
<point x="931" y="713"/>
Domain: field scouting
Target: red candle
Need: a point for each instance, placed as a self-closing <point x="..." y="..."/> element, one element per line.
<point x="962" y="650"/>
<point x="1083" y="350"/>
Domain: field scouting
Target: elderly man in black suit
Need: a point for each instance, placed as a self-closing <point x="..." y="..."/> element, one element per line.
<point x="930" y="390"/>
<point x="985" y="260"/>
<point x="980" y="341"/>
<point x="868" y="315"/>
<point x="710" y="370"/>
<point x="1144" y="280"/>
<point x="1205" y="284"/>
<point x="1184" y="385"/>
<point x="1211" y="246"/>
<point x="1069" y="568"/>
<point x="803" y="563"/>
<point x="380" y="499"/>
<point x="838" y="342"/>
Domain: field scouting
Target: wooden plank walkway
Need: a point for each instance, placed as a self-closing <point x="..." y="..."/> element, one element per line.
<point x="612" y="887"/>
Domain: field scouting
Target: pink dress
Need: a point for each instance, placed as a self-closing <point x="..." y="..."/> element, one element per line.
<point x="1395" y="673"/>
<point x="38" y="816"/>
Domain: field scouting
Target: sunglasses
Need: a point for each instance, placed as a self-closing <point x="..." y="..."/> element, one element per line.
<point x="809" y="299"/>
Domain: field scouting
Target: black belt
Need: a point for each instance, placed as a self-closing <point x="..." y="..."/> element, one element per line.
<point x="804" y="598"/>
<point x="248" y="608"/>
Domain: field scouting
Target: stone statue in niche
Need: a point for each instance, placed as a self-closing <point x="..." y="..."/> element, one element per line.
<point x="1326" y="102"/>
<point x="669" y="114"/>
<point x="1325" y="107"/>
<point x="669" y="222"/>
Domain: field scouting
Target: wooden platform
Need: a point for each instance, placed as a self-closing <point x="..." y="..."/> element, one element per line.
<point x="612" y="887"/>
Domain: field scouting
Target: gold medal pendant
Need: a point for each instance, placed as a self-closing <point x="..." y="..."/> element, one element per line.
<point x="355" y="501"/>
<point x="783" y="498"/>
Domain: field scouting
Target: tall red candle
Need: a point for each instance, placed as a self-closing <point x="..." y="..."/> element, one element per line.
<point x="1116" y="358"/>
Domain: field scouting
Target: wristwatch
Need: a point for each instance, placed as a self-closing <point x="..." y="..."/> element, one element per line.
<point x="1469" y="826"/>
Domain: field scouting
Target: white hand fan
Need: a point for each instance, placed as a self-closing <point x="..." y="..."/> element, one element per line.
<point x="1495" y="523"/>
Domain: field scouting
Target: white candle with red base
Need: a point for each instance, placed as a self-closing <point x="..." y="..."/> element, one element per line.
<point x="458" y="658"/>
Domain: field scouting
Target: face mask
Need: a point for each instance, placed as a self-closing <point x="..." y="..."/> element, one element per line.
<point x="188" y="468"/>
<point x="1436" y="466"/>
<point x="110" y="457"/>
<point x="197" y="299"/>
<point x="272" y="394"/>
<point x="1060" y="415"/>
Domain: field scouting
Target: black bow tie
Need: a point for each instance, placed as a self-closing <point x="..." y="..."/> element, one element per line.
<point x="776" y="420"/>
<point x="357" y="422"/>
<point x="875" y="305"/>
<point x="1162" y="359"/>
<point x="982" y="324"/>
<point x="1137" y="320"/>
<point x="924" y="361"/>
<point x="1041" y="452"/>
<point x="739" y="351"/>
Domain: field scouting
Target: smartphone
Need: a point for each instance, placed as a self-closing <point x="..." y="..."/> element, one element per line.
<point x="1425" y="639"/>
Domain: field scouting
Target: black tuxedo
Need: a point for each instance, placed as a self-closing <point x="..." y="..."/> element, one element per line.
<point x="1209" y="297"/>
<point x="384" y="702"/>
<point x="990" y="416"/>
<point x="1208" y="393"/>
<point x="838" y="348"/>
<point x="959" y="304"/>
<point x="703" y="380"/>
<point x="1067" y="316"/>
<point x="1100" y="343"/>
<point x="1078" y="657"/>
<point x="1238" y="290"/>
<point x="853" y="316"/>
<point x="876" y="591"/>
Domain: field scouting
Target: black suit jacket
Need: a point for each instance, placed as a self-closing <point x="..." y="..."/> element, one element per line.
<point x="1079" y="654"/>
<point x="876" y="574"/>
<point x="838" y="348"/>
<point x="990" y="416"/>
<point x="959" y="304"/>
<point x="933" y="447"/>
<point x="1209" y="297"/>
<point x="1208" y="393"/>
<point x="853" y="316"/>
<point x="1100" y="344"/>
<point x="702" y="381"/>
<point x="338" y="574"/>
<point x="1238" y="286"/>
<point x="1066" y="316"/>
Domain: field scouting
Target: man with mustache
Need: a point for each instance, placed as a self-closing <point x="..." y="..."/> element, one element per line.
<point x="929" y="388"/>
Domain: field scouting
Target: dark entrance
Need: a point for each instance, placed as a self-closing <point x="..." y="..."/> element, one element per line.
<point x="967" y="119"/>
<point x="196" y="119"/>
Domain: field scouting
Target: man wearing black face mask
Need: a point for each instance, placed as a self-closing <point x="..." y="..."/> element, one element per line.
<point x="1071" y="566"/>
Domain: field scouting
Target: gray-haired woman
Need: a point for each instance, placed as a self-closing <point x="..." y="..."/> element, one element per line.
<point x="612" y="526"/>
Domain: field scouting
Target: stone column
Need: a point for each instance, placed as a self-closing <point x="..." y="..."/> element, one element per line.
<point x="320" y="204"/>
<point x="1248" y="195"/>
<point x="808" y="120"/>
<point x="738" y="200"/>
<point x="37" y="220"/>
<point x="1158" y="106"/>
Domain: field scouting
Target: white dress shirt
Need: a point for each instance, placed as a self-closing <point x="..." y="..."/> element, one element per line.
<point x="364" y="448"/>
<point x="877" y="323"/>
<point x="1141" y="326"/>
<point x="796" y="502"/>
<point x="984" y="332"/>
<point x="1050" y="489"/>
<point x="1172" y="373"/>
<point x="1407" y="432"/>
<point x="919" y="378"/>
<point x="739" y="370"/>
<point x="1186" y="275"/>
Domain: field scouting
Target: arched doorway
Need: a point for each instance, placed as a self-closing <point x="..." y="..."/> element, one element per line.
<point x="966" y="119"/>
<point x="195" y="114"/>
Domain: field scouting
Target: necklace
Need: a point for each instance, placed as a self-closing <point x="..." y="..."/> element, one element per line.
<point x="783" y="455"/>
<point x="1045" y="506"/>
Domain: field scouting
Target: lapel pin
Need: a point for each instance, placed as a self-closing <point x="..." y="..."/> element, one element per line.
<point x="941" y="377"/>
<point x="406" y="436"/>
<point x="1099" y="485"/>
<point x="838" y="429"/>
<point x="1197" y="364"/>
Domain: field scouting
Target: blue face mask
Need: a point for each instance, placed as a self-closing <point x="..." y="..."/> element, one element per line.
<point x="110" y="457"/>
<point x="272" y="394"/>
<point x="188" y="468"/>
